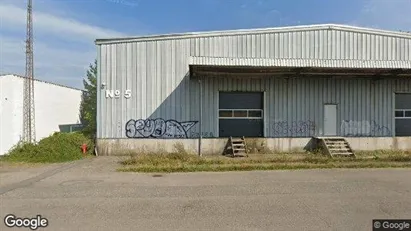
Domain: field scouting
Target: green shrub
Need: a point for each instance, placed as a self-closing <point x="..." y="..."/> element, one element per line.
<point x="59" y="147"/>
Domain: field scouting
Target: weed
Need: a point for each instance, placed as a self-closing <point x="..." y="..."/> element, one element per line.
<point x="59" y="147"/>
<point x="179" y="148"/>
<point x="180" y="162"/>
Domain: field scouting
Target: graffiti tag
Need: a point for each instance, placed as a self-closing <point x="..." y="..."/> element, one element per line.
<point x="363" y="128"/>
<point x="295" y="127"/>
<point x="158" y="128"/>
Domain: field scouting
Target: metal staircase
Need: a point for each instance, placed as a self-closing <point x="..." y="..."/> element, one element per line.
<point x="238" y="146"/>
<point x="336" y="146"/>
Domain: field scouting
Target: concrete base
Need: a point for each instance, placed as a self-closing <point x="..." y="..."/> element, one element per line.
<point x="215" y="146"/>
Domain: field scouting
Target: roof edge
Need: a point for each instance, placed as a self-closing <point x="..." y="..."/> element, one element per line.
<point x="42" y="81"/>
<point x="291" y="62"/>
<point x="254" y="31"/>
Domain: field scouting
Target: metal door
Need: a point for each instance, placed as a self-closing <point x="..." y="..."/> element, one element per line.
<point x="330" y="119"/>
<point x="241" y="114"/>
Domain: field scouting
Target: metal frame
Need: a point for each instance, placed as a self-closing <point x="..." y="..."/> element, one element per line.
<point x="247" y="110"/>
<point x="394" y="118"/>
<point x="264" y="114"/>
<point x="403" y="110"/>
<point x="99" y="131"/>
<point x="323" y="119"/>
<point x="201" y="115"/>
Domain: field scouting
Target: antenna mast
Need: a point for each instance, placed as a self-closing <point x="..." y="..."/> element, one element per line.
<point x="29" y="132"/>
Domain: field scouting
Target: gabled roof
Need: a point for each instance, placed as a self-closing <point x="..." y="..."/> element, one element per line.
<point x="37" y="80"/>
<point x="257" y="31"/>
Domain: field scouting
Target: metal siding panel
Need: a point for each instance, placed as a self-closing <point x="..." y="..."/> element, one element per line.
<point x="159" y="83"/>
<point x="131" y="67"/>
<point x="254" y="46"/>
<point x="337" y="45"/>
<point x="105" y="65"/>
<point x="100" y="65"/>
<point x="382" y="48"/>
<point x="124" y="77"/>
<point x="316" y="44"/>
<point x="276" y="51"/>
<point x="109" y="107"/>
<point x="304" y="43"/>
<point x="297" y="49"/>
<point x="264" y="46"/>
<point x="156" y="71"/>
<point x="150" y="81"/>
<point x="110" y="83"/>
<point x="375" y="48"/>
<point x="288" y="62"/>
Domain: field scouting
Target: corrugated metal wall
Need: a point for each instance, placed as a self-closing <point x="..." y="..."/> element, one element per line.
<point x="295" y="107"/>
<point x="318" y="44"/>
<point x="156" y="72"/>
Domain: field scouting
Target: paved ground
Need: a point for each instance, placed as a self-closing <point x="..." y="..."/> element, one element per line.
<point x="90" y="195"/>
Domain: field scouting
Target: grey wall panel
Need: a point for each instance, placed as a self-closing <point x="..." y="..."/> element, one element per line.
<point x="295" y="106"/>
<point x="157" y="74"/>
<point x="316" y="44"/>
<point x="403" y="101"/>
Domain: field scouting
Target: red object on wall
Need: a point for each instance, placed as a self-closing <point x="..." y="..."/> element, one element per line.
<point x="84" y="148"/>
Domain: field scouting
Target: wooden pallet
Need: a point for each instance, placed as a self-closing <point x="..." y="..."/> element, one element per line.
<point x="336" y="146"/>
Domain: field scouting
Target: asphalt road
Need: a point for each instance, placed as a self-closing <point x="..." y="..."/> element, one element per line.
<point x="90" y="195"/>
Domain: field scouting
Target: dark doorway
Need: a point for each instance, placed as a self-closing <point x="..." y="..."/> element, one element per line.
<point x="241" y="114"/>
<point x="403" y="114"/>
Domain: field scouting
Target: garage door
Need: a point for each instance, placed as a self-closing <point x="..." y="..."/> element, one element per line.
<point x="402" y="114"/>
<point x="241" y="114"/>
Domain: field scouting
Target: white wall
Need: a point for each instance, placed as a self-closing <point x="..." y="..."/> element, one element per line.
<point x="55" y="105"/>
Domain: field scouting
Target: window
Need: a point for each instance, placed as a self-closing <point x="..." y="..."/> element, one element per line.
<point x="403" y="114"/>
<point x="255" y="114"/>
<point x="240" y="113"/>
<point x="225" y="113"/>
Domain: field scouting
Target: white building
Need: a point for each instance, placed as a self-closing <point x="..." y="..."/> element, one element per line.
<point x="55" y="105"/>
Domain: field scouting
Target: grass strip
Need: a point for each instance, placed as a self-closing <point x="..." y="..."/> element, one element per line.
<point x="177" y="162"/>
<point x="253" y="167"/>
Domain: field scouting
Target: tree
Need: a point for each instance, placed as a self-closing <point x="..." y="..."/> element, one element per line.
<point x="88" y="107"/>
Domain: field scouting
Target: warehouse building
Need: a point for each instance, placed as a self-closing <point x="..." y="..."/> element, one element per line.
<point x="281" y="86"/>
<point x="56" y="109"/>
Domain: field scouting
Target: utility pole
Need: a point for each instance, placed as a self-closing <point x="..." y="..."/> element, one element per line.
<point x="29" y="128"/>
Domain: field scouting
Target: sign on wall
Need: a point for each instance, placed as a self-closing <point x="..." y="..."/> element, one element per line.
<point x="118" y="93"/>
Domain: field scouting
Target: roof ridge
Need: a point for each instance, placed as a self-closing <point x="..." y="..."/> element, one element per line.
<point x="256" y="31"/>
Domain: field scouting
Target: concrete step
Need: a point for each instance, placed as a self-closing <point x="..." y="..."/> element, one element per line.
<point x="238" y="145"/>
<point x="335" y="142"/>
<point x="343" y="153"/>
<point x="337" y="145"/>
